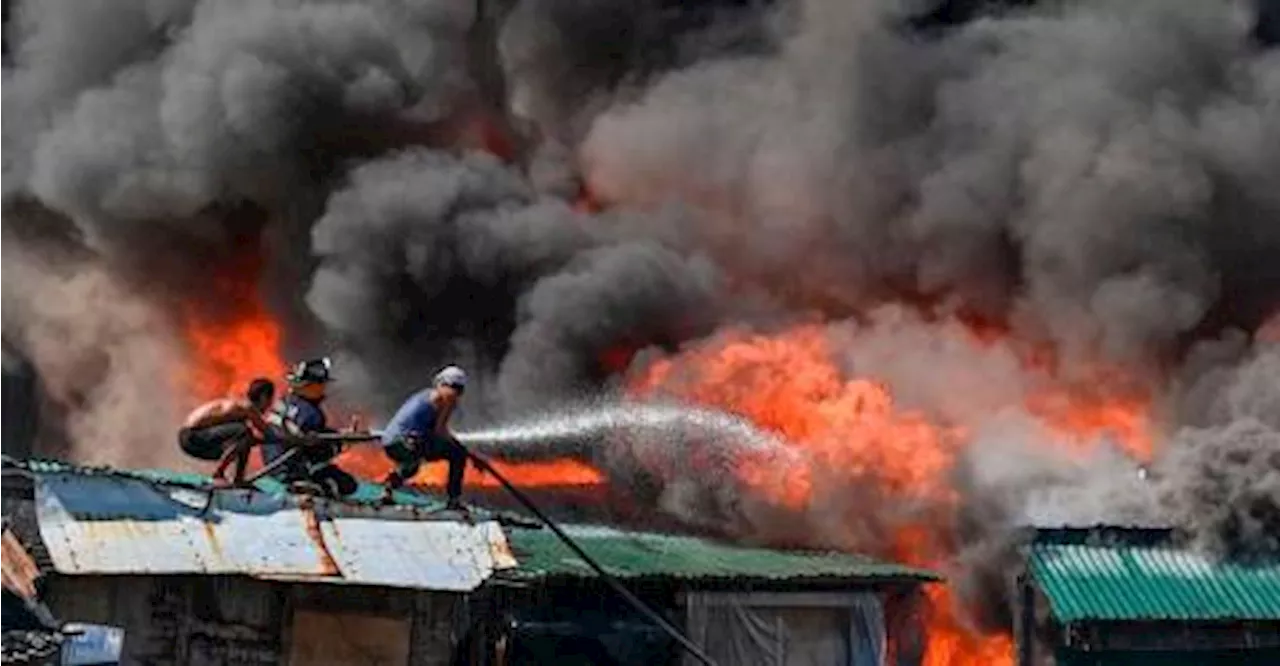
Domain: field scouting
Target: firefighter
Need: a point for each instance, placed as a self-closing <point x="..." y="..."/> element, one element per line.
<point x="419" y="432"/>
<point x="225" y="429"/>
<point x="299" y="414"/>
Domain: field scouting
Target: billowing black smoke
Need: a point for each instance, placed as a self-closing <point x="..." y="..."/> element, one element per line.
<point x="488" y="274"/>
<point x="1097" y="175"/>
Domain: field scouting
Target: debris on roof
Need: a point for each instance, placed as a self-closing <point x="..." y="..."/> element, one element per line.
<point x="1144" y="574"/>
<point x="647" y="555"/>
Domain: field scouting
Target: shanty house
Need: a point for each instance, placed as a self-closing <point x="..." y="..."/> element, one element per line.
<point x="1108" y="596"/>
<point x="744" y="606"/>
<point x="252" y="576"/>
<point x="261" y="576"/>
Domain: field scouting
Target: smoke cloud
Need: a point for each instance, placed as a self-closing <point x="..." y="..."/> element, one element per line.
<point x="932" y="208"/>
<point x="105" y="356"/>
<point x="1221" y="480"/>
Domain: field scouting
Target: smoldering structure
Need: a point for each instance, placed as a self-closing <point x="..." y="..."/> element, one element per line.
<point x="1094" y="176"/>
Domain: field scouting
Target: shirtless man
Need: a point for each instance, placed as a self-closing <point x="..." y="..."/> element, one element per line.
<point x="226" y="428"/>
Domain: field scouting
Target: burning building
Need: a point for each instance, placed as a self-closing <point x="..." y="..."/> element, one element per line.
<point x="920" y="289"/>
<point x="258" y="576"/>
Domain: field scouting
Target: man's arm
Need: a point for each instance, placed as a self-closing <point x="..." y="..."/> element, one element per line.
<point x="442" y="422"/>
<point x="224" y="463"/>
<point x="255" y="419"/>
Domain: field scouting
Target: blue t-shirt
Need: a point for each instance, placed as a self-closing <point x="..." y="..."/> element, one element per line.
<point x="303" y="413"/>
<point x="417" y="416"/>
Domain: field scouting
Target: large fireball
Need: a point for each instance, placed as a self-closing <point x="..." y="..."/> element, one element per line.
<point x="856" y="441"/>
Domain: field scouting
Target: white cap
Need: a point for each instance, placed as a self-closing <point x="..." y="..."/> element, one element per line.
<point x="451" y="376"/>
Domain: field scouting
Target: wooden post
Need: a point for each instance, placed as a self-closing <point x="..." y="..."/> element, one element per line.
<point x="1024" y="621"/>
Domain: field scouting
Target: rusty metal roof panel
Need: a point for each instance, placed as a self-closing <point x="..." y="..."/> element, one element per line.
<point x="110" y="524"/>
<point x="115" y="525"/>
<point x="437" y="555"/>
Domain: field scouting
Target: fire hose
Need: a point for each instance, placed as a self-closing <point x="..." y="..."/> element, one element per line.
<point x="485" y="466"/>
<point x="282" y="460"/>
<point x="608" y="578"/>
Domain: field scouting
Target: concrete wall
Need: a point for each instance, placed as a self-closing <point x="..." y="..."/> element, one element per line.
<point x="234" y="620"/>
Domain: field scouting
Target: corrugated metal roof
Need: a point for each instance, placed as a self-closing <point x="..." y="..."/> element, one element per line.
<point x="1143" y="575"/>
<point x="416" y="504"/>
<point x="103" y="520"/>
<point x="116" y="524"/>
<point x="640" y="554"/>
<point x="370" y="494"/>
<point x="445" y="555"/>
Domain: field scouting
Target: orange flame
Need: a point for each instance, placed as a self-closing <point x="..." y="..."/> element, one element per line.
<point x="370" y="464"/>
<point x="239" y="340"/>
<point x="231" y="343"/>
<point x="789" y="384"/>
<point x="232" y="356"/>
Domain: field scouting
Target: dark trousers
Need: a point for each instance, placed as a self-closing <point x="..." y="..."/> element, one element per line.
<point x="209" y="443"/>
<point x="317" y="466"/>
<point x="331" y="477"/>
<point x="212" y="442"/>
<point x="410" y="453"/>
<point x="313" y="463"/>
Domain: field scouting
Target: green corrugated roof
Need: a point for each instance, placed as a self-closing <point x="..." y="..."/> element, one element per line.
<point x="1143" y="575"/>
<point x="638" y="554"/>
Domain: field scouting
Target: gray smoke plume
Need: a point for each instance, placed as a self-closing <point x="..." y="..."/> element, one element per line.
<point x="483" y="270"/>
<point x="249" y="101"/>
<point x="1096" y="170"/>
<point x="1223" y="485"/>
<point x="1221" y="479"/>
<point x="104" y="356"/>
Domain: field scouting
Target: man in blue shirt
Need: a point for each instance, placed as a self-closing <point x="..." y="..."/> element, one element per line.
<point x="299" y="414"/>
<point x="419" y="432"/>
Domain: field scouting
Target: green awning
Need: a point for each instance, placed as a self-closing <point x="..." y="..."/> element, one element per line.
<point x="1144" y="575"/>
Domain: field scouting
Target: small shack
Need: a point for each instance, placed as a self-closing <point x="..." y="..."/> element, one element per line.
<point x="262" y="576"/>
<point x="744" y="606"/>
<point x="1112" y="596"/>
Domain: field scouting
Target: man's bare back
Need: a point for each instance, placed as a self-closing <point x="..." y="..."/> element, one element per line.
<point x="222" y="410"/>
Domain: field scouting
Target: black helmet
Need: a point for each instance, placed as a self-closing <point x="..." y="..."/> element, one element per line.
<point x="315" y="371"/>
